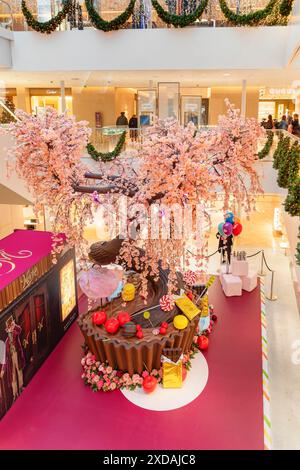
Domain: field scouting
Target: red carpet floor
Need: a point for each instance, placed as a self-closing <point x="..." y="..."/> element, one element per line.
<point x="56" y="411"/>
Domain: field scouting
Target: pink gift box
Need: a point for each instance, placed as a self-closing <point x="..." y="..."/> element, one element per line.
<point x="249" y="282"/>
<point x="239" y="268"/>
<point x="232" y="285"/>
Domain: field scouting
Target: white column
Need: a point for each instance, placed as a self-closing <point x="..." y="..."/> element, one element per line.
<point x="63" y="96"/>
<point x="244" y="98"/>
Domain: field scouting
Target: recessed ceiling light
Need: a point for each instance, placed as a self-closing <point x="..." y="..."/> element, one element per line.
<point x="226" y="74"/>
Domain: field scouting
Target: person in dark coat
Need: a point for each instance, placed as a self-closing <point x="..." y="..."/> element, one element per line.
<point x="122" y="120"/>
<point x="133" y="125"/>
<point x="295" y="125"/>
<point x="225" y="247"/>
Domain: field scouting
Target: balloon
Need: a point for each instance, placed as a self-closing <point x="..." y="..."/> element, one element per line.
<point x="237" y="229"/>
<point x="227" y="229"/>
<point x="98" y="282"/>
<point x="237" y="220"/>
<point x="220" y="229"/>
<point x="229" y="214"/>
<point x="230" y="220"/>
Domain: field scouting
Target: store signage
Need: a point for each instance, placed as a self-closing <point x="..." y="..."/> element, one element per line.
<point x="277" y="93"/>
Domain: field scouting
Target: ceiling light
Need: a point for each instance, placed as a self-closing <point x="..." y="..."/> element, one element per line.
<point x="226" y="74"/>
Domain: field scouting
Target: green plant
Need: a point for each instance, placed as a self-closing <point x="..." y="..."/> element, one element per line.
<point x="48" y="26"/>
<point x="106" y="26"/>
<point x="292" y="201"/>
<point x="264" y="152"/>
<point x="179" y="21"/>
<point x="106" y="157"/>
<point x="247" y="19"/>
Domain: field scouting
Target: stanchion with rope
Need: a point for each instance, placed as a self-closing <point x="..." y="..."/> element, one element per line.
<point x="263" y="262"/>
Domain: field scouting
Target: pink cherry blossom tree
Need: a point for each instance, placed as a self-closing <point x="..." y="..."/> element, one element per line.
<point x="176" y="166"/>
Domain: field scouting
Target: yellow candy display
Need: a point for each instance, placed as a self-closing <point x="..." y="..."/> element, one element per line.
<point x="180" y="322"/>
<point x="128" y="292"/>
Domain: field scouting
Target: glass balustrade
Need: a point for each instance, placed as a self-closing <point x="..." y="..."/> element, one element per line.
<point x="144" y="15"/>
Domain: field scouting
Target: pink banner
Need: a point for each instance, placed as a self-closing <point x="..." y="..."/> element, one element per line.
<point x="20" y="251"/>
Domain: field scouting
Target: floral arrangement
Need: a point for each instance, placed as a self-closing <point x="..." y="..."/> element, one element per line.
<point x="100" y="376"/>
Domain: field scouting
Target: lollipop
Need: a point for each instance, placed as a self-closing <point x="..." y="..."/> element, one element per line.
<point x="189" y="278"/>
<point x="166" y="303"/>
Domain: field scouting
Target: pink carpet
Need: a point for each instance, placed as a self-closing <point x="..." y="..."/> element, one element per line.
<point x="56" y="411"/>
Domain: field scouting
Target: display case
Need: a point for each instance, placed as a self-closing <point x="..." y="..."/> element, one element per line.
<point x="38" y="303"/>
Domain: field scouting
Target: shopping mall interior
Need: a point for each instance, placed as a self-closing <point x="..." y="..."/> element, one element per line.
<point x="149" y="104"/>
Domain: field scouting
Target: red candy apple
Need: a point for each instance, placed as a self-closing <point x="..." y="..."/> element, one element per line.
<point x="162" y="331"/>
<point x="123" y="318"/>
<point x="99" y="317"/>
<point x="139" y="334"/>
<point x="149" y="384"/>
<point x="184" y="373"/>
<point x="164" y="324"/>
<point x="138" y="327"/>
<point x="112" y="325"/>
<point x="203" y="342"/>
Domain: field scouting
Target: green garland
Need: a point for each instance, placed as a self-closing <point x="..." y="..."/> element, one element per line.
<point x="288" y="166"/>
<point x="281" y="151"/>
<point x="179" y="21"/>
<point x="106" y="26"/>
<point x="286" y="7"/>
<point x="264" y="152"/>
<point x="247" y="19"/>
<point x="48" y="26"/>
<point x="292" y="201"/>
<point x="107" y="157"/>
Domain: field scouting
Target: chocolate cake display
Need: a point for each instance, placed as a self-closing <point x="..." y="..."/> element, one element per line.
<point x="122" y="350"/>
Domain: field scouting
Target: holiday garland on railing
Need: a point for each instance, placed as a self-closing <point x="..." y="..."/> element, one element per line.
<point x="48" y="26"/>
<point x="249" y="18"/>
<point x="292" y="202"/>
<point x="107" y="157"/>
<point x="179" y="21"/>
<point x="264" y="152"/>
<point x="99" y="23"/>
<point x="286" y="7"/>
<point x="281" y="150"/>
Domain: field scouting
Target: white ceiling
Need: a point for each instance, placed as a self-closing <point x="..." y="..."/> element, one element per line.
<point x="141" y="78"/>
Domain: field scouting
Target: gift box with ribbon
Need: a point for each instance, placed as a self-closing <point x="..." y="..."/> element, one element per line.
<point x="172" y="367"/>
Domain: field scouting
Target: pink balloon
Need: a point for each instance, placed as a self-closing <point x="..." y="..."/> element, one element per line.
<point x="227" y="229"/>
<point x="98" y="283"/>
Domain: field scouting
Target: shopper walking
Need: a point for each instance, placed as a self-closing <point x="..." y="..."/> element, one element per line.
<point x="269" y="124"/>
<point x="295" y="125"/>
<point x="283" y="123"/>
<point x="122" y="120"/>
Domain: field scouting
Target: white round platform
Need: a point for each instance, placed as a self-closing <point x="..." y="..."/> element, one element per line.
<point x="164" y="399"/>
